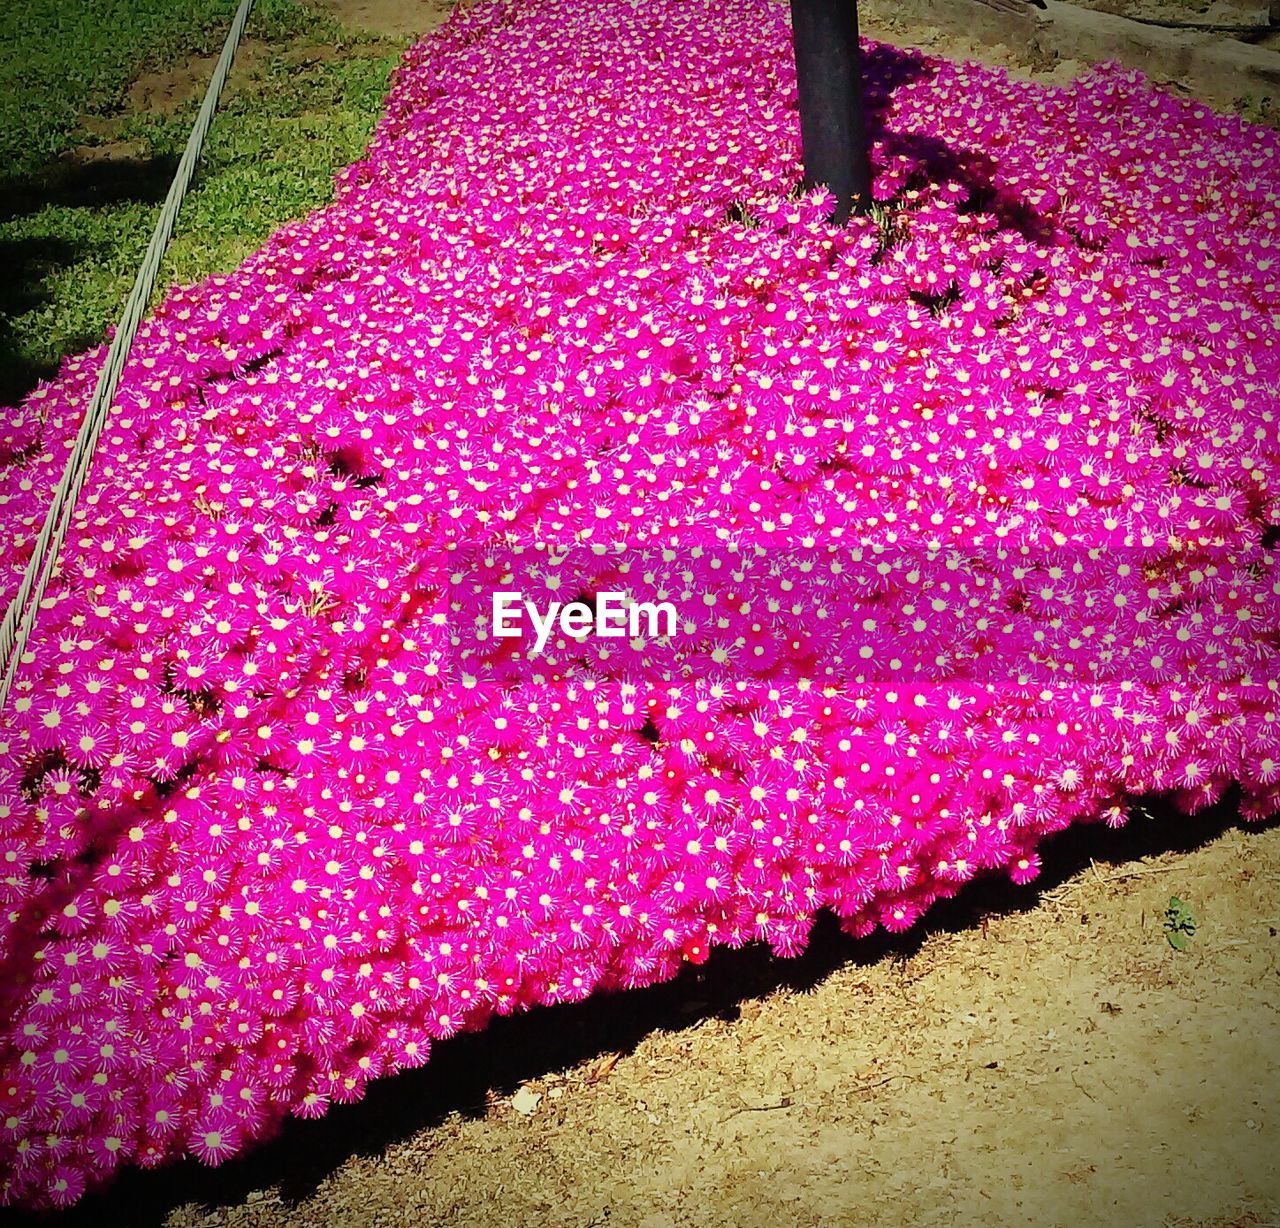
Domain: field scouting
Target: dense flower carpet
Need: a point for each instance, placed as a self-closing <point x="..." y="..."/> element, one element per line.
<point x="967" y="511"/>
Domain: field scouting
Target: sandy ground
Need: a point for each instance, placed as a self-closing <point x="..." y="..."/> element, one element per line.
<point x="1191" y="13"/>
<point x="1035" y="1055"/>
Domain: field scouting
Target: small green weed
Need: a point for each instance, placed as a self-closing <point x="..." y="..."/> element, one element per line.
<point x="1264" y="110"/>
<point x="1179" y="924"/>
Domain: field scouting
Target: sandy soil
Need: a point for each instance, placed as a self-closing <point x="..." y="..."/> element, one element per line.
<point x="882" y="19"/>
<point x="1192" y="13"/>
<point x="1032" y="1055"/>
<point x="392" y="18"/>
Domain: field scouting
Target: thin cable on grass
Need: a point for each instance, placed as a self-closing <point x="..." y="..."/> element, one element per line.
<point x="20" y="617"/>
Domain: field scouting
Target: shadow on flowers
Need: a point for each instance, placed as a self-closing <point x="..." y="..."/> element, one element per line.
<point x="905" y="160"/>
<point x="467" y="1073"/>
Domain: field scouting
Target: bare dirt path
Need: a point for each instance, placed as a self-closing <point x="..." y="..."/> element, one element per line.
<point x="390" y="18"/>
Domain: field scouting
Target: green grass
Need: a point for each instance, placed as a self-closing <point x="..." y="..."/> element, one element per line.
<point x="61" y="59"/>
<point x="305" y="110"/>
<point x="1264" y="110"/>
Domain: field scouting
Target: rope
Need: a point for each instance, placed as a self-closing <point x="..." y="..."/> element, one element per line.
<point x="19" y="619"/>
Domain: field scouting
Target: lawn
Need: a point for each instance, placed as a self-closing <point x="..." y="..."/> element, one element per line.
<point x="87" y="170"/>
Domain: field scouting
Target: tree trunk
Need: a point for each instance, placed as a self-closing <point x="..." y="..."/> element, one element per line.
<point x="829" y="73"/>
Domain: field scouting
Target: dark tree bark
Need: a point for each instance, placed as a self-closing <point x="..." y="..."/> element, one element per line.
<point x="829" y="73"/>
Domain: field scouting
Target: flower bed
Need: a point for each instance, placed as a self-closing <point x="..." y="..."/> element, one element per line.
<point x="967" y="509"/>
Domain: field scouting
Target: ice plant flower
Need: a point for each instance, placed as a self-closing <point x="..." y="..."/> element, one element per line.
<point x="969" y="513"/>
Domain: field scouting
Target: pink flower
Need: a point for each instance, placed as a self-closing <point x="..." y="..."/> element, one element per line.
<point x="964" y="505"/>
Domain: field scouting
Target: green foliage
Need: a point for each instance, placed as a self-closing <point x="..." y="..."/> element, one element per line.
<point x="1264" y="110"/>
<point x="1179" y="924"/>
<point x="271" y="157"/>
<point x="61" y="59"/>
<point x="305" y="111"/>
